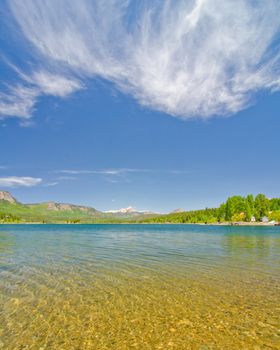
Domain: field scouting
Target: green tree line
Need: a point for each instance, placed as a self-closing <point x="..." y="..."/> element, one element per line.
<point x="236" y="208"/>
<point x="9" y="218"/>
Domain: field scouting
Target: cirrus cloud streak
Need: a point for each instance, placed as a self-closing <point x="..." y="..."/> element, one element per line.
<point x="14" y="181"/>
<point x="185" y="58"/>
<point x="19" y="100"/>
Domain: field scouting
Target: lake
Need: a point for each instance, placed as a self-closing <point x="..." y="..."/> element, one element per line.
<point x="84" y="287"/>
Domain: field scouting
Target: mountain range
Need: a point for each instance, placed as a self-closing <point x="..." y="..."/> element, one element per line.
<point x="51" y="211"/>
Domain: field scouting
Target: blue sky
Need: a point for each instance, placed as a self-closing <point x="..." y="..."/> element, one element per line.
<point x="159" y="105"/>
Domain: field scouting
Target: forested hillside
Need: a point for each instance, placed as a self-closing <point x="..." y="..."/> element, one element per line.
<point x="235" y="209"/>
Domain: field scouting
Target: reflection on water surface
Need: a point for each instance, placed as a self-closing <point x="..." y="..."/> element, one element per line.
<point x="139" y="287"/>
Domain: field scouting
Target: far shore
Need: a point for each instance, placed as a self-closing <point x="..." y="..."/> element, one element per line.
<point x="235" y="224"/>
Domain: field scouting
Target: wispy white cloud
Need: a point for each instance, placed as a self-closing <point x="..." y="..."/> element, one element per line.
<point x="75" y="172"/>
<point x="54" y="84"/>
<point x="20" y="100"/>
<point x="118" y="171"/>
<point x="14" y="181"/>
<point x="187" y="57"/>
<point x="51" y="184"/>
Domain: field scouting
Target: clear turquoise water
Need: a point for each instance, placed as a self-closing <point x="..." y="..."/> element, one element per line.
<point x="61" y="286"/>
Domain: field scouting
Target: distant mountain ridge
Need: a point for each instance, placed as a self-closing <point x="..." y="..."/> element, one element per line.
<point x="6" y="196"/>
<point x="13" y="210"/>
<point x="64" y="207"/>
<point x="129" y="210"/>
<point x="179" y="210"/>
<point x="59" y="212"/>
<point x="122" y="210"/>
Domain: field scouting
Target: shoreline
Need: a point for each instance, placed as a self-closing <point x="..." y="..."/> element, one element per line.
<point x="235" y="224"/>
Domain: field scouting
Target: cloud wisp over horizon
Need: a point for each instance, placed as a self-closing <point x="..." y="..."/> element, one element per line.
<point x="196" y="58"/>
<point x="116" y="175"/>
<point x="15" y="181"/>
<point x="110" y="171"/>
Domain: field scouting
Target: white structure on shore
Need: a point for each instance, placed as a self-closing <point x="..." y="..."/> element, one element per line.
<point x="264" y="219"/>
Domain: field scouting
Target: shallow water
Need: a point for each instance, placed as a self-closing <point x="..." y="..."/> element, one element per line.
<point x="85" y="287"/>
